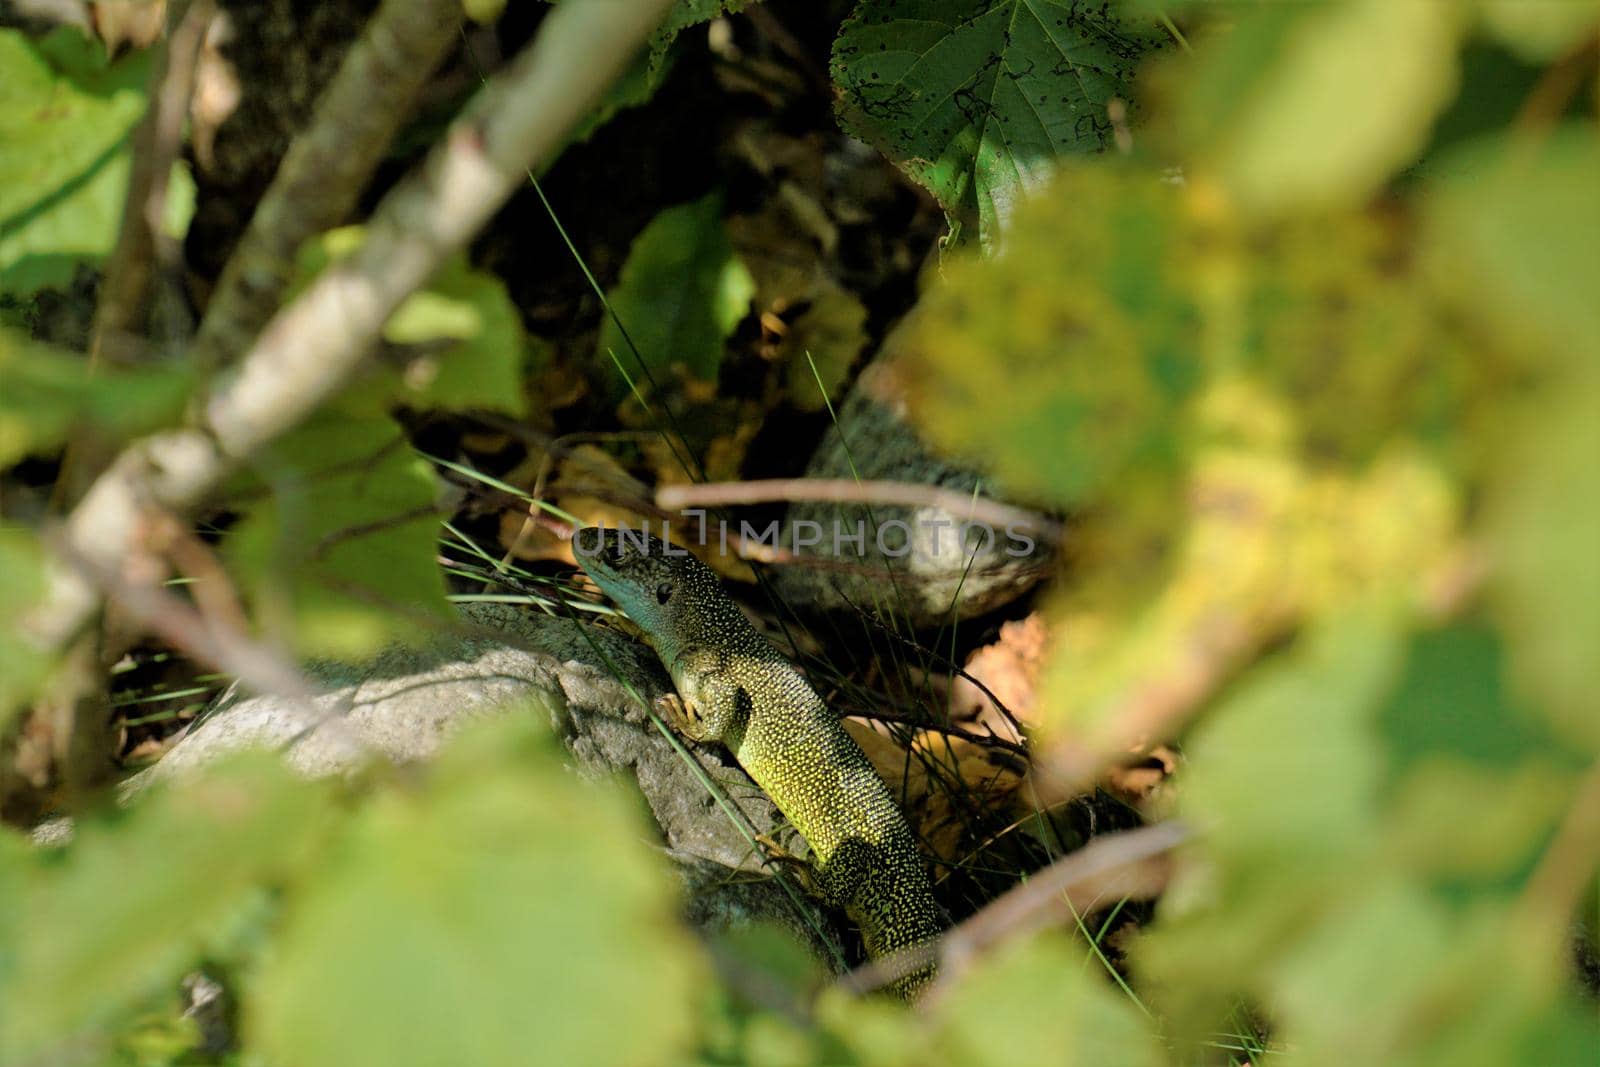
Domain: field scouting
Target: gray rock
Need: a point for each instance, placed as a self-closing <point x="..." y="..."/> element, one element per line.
<point x="937" y="580"/>
<point x="407" y="702"/>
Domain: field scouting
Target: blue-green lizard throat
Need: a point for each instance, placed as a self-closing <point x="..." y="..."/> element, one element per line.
<point x="740" y="691"/>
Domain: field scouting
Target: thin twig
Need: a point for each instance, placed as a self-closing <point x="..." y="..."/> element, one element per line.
<point x="1133" y="864"/>
<point x="258" y="667"/>
<point x="124" y="298"/>
<point x="311" y="347"/>
<point x="848" y="490"/>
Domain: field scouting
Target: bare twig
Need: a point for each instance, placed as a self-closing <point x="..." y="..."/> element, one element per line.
<point x="122" y="309"/>
<point x="847" y="490"/>
<point x="312" y="346"/>
<point x="327" y="166"/>
<point x="1134" y="864"/>
<point x="1156" y="705"/>
<point x="218" y="642"/>
<point x="124" y="299"/>
<point x="258" y="667"/>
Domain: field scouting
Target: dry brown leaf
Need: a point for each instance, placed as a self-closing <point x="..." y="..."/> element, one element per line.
<point x="135" y="23"/>
<point x="934" y="816"/>
<point x="1010" y="669"/>
<point x="216" y="91"/>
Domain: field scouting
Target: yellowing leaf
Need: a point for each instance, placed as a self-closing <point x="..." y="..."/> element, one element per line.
<point x="1318" y="104"/>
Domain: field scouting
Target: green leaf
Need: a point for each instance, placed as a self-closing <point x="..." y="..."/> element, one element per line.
<point x="1309" y="105"/>
<point x="1544" y="524"/>
<point x="49" y="393"/>
<point x="828" y="336"/>
<point x="976" y="102"/>
<point x="1452" y="701"/>
<point x="180" y="202"/>
<point x="508" y="910"/>
<point x="1041" y="1001"/>
<point x="65" y="113"/>
<point x="472" y="345"/>
<point x="1540" y="30"/>
<point x="483" y="366"/>
<point x="1060" y="364"/>
<point x="681" y="293"/>
<point x="1300" y="732"/>
<point x="683" y="15"/>
<point x="22" y="585"/>
<point x="1283" y="782"/>
<point x="633" y="88"/>
<point x="340" y="555"/>
<point x="139" y="896"/>
<point x="1519" y="226"/>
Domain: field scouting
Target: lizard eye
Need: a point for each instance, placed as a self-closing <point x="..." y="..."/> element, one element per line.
<point x="663" y="592"/>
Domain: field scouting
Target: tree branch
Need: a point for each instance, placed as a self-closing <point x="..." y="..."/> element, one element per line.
<point x="312" y="346"/>
<point x="1132" y="864"/>
<point x="846" y="490"/>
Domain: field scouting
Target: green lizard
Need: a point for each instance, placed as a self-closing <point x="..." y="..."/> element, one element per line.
<point x="737" y="689"/>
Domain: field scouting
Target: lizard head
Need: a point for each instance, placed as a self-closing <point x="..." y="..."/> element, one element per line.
<point x="660" y="586"/>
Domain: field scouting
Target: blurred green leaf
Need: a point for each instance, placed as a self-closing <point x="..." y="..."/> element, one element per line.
<point x="1544" y="521"/>
<point x="828" y="336"/>
<point x="48" y="393"/>
<point x="65" y="113"/>
<point x="1316" y="104"/>
<point x="483" y="367"/>
<point x="16" y="854"/>
<point x="472" y="337"/>
<point x="1540" y="29"/>
<point x="1334" y="1009"/>
<point x="180" y="202"/>
<point x="977" y="102"/>
<point x="1042" y="1002"/>
<point x="507" y="910"/>
<point x="141" y="895"/>
<point x="1471" y="826"/>
<point x="1282" y="781"/>
<point x="1451" y="700"/>
<point x="22" y="584"/>
<point x="681" y="293"/>
<point x="1062" y="362"/>
<point x="340" y="555"/>
<point x="1519" y="223"/>
<point x="1289" y="765"/>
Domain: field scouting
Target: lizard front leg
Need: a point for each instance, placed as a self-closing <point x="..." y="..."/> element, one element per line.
<point x="715" y="707"/>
